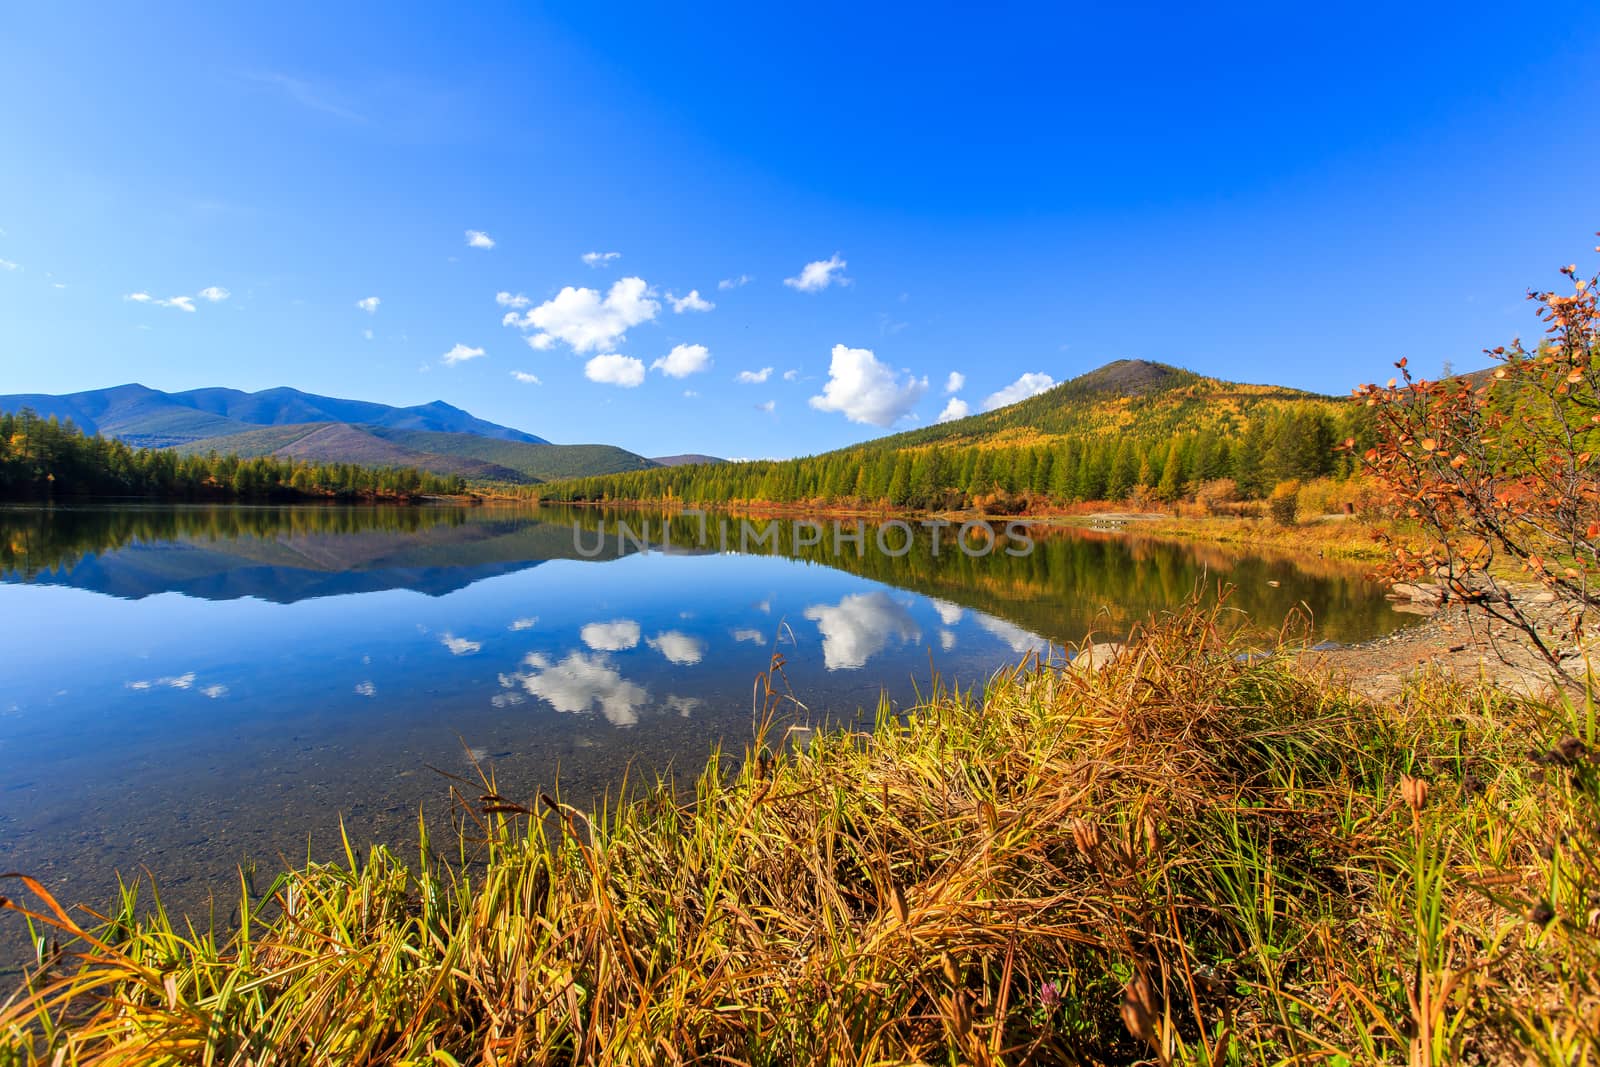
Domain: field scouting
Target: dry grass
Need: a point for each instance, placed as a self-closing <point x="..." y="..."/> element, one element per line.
<point x="1188" y="856"/>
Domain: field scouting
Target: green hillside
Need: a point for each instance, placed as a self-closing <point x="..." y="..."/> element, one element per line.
<point x="541" y="462"/>
<point x="1130" y="429"/>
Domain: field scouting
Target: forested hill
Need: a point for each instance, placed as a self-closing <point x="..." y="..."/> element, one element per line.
<point x="1128" y="396"/>
<point x="1128" y="429"/>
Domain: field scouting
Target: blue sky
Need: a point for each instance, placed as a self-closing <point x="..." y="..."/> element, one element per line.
<point x="1012" y="194"/>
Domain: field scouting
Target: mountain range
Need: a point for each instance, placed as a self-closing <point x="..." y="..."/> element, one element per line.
<point x="290" y="424"/>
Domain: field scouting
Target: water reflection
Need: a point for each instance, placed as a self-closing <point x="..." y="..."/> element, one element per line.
<point x="859" y="627"/>
<point x="580" y="683"/>
<point x="190" y="687"/>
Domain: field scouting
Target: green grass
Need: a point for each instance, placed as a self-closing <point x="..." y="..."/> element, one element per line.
<point x="1186" y="857"/>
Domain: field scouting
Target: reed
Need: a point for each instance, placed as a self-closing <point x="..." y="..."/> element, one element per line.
<point x="1187" y="855"/>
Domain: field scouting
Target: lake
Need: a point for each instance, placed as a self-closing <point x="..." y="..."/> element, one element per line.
<point x="189" y="688"/>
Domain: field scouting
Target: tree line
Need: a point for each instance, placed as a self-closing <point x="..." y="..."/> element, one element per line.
<point x="42" y="458"/>
<point x="1294" y="444"/>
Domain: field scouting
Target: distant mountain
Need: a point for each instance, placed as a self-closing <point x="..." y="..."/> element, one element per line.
<point x="473" y="457"/>
<point x="290" y="424"/>
<point x="151" y="418"/>
<point x="684" y="460"/>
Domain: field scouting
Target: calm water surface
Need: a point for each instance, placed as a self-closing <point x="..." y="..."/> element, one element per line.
<point x="186" y="688"/>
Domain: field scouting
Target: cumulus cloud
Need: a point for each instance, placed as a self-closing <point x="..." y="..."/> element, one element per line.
<point x="369" y="304"/>
<point x="956" y="382"/>
<point x="216" y="294"/>
<point x="679" y="647"/>
<point x="507" y="300"/>
<point x="949" y="613"/>
<point x="527" y="622"/>
<point x="791" y="376"/>
<point x="734" y="283"/>
<point x="955" y="409"/>
<point x="754" y="377"/>
<point x="692" y="302"/>
<point x="1016" y="637"/>
<point x="683" y="361"/>
<point x="600" y="259"/>
<point x="1030" y="384"/>
<point x="817" y="276"/>
<point x="459" y="646"/>
<point x="615" y="369"/>
<point x="479" y="239"/>
<point x="581" y="683"/>
<point x="867" y="391"/>
<point x="460" y="354"/>
<point x="585" y="319"/>
<point x="947" y="639"/>
<point x="614" y="636"/>
<point x="366" y="689"/>
<point x="859" y="627"/>
<point x="525" y="378"/>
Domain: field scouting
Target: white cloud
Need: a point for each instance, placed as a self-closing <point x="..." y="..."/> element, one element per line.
<point x="580" y="683"/>
<point x="6" y="264"/>
<point x="525" y="378"/>
<point x="791" y="376"/>
<point x="479" y="239"/>
<point x="614" y="636"/>
<point x="182" y="303"/>
<point x="859" y="627"/>
<point x="956" y="382"/>
<point x="734" y="283"/>
<point x="683" y="361"/>
<point x="955" y="409"/>
<point x="600" y="259"/>
<point x="214" y="692"/>
<point x="690" y="394"/>
<point x="586" y="320"/>
<point x="216" y="294"/>
<point x="949" y="613"/>
<point x="866" y="391"/>
<point x="685" y="706"/>
<point x="1013" y="635"/>
<point x="527" y="622"/>
<point x="754" y="377"/>
<point x="180" y="681"/>
<point x="817" y="276"/>
<point x="769" y="406"/>
<point x="692" y="302"/>
<point x="506" y="300"/>
<point x="752" y="635"/>
<point x="615" y="370"/>
<point x="679" y="647"/>
<point x="367" y="334"/>
<point x="1030" y="384"/>
<point x="460" y="354"/>
<point x="369" y="304"/>
<point x="366" y="689"/>
<point x="459" y="646"/>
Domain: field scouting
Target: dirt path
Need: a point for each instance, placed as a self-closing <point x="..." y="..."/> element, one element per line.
<point x="1464" y="643"/>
